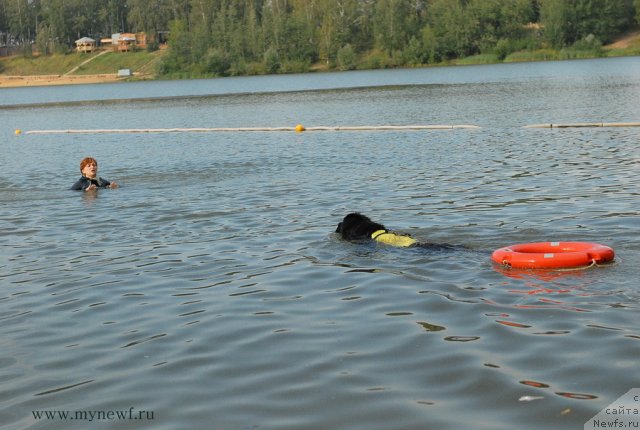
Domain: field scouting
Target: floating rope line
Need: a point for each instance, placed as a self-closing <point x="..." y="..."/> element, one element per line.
<point x="585" y="124"/>
<point x="298" y="128"/>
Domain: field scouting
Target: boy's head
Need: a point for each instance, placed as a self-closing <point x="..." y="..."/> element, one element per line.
<point x="89" y="167"/>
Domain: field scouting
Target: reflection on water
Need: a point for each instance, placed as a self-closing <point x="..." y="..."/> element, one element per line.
<point x="213" y="274"/>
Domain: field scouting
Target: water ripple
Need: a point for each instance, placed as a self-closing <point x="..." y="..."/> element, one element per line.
<point x="213" y="274"/>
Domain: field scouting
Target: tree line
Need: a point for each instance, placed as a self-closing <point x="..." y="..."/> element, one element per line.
<point x="227" y="37"/>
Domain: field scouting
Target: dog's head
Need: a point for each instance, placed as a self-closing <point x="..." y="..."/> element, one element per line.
<point x="356" y="226"/>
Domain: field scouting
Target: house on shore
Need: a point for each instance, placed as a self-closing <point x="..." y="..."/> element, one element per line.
<point x="85" y="44"/>
<point x="125" y="42"/>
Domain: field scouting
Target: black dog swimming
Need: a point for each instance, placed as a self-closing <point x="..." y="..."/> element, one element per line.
<point x="358" y="227"/>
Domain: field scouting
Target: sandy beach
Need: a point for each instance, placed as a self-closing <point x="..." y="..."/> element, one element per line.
<point x="44" y="80"/>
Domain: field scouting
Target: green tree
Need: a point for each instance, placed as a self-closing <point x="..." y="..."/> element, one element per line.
<point x="338" y="23"/>
<point x="57" y="15"/>
<point x="305" y="20"/>
<point x="19" y="19"/>
<point x="113" y="16"/>
<point x="390" y="24"/>
<point x="346" y="58"/>
<point x="179" y="54"/>
<point x="3" y="24"/>
<point x="452" y="28"/>
<point x="413" y="53"/>
<point x="558" y="18"/>
<point x="494" y="20"/>
<point x="486" y="16"/>
<point x="251" y="31"/>
<point x="567" y="21"/>
<point x="272" y="60"/>
<point x="82" y="18"/>
<point x="429" y="44"/>
<point x="44" y="40"/>
<point x="619" y="18"/>
<point x="363" y="35"/>
<point x="326" y="32"/>
<point x="274" y="17"/>
<point x="516" y="14"/>
<point x="150" y="16"/>
<point x="217" y="62"/>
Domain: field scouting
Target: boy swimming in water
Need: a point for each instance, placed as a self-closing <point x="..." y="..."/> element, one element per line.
<point x="90" y="179"/>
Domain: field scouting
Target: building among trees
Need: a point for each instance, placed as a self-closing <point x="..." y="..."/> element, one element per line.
<point x="85" y="44"/>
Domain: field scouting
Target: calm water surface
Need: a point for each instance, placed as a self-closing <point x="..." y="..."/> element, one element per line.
<point x="209" y="291"/>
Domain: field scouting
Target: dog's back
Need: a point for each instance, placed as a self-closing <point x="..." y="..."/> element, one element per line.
<point x="356" y="226"/>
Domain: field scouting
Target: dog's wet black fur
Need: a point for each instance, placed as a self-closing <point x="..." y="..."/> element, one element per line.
<point x="358" y="227"/>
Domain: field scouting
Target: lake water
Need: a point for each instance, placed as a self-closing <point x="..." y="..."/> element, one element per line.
<point x="210" y="292"/>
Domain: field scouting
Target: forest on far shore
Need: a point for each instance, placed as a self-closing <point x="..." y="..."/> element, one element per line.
<point x="238" y="37"/>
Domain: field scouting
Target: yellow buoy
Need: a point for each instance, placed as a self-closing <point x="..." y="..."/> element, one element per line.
<point x="18" y="132"/>
<point x="300" y="128"/>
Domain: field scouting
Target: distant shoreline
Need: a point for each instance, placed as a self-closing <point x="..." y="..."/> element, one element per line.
<point x="16" y="81"/>
<point x="626" y="45"/>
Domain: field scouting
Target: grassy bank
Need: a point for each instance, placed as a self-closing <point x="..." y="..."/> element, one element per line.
<point x="45" y="65"/>
<point x="142" y="62"/>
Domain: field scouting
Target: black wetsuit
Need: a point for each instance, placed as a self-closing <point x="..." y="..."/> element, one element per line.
<point x="84" y="182"/>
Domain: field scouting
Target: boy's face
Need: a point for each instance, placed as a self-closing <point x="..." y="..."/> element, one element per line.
<point x="90" y="170"/>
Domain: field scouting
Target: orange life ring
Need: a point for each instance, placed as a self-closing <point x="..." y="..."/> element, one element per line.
<point x="552" y="255"/>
